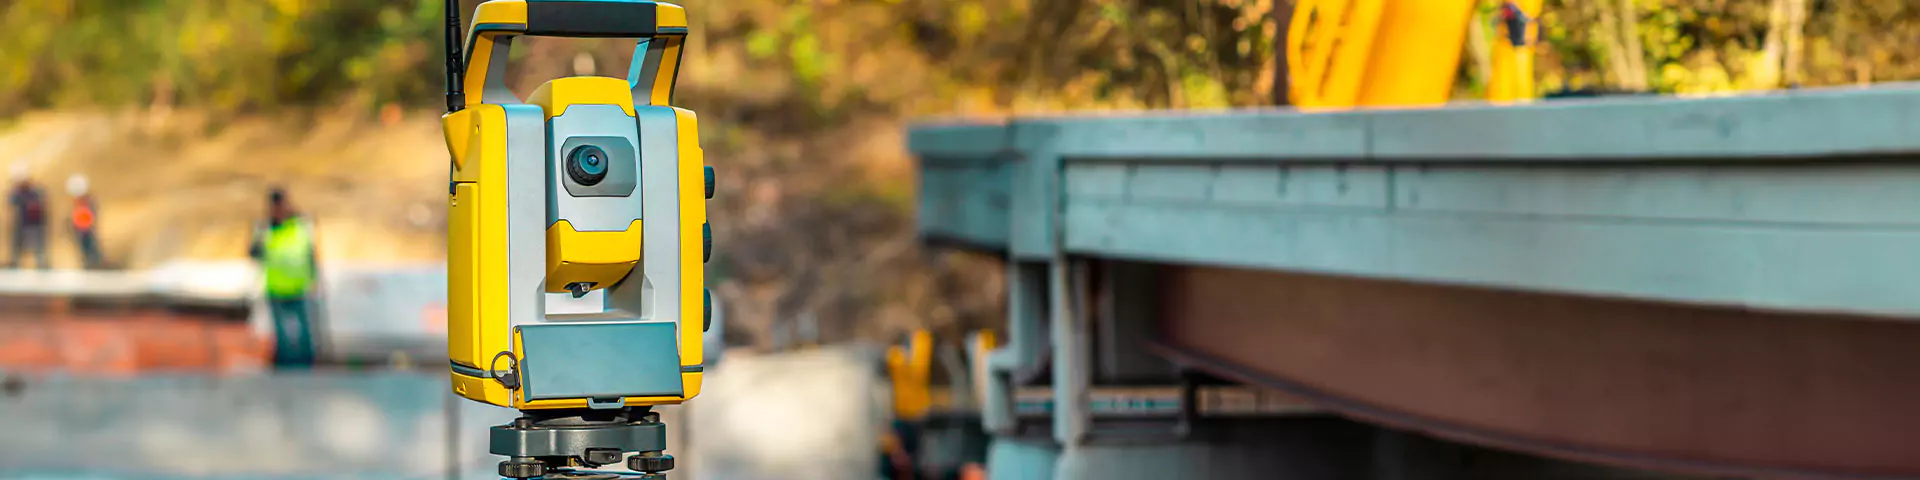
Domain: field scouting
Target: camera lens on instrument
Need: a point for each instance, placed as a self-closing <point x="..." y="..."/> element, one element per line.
<point x="587" y="165"/>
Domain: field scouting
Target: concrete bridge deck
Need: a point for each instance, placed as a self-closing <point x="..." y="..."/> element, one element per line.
<point x="1723" y="286"/>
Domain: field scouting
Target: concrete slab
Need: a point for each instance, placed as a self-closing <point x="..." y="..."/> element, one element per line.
<point x="801" y="416"/>
<point x="386" y="425"/>
<point x="791" y="416"/>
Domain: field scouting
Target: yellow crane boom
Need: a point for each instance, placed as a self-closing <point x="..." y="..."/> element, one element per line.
<point x="1400" y="53"/>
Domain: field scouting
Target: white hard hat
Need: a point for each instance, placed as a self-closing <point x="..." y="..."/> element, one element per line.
<point x="19" y="172"/>
<point x="583" y="64"/>
<point x="77" y="184"/>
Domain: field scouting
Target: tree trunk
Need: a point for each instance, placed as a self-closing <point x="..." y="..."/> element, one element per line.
<point x="1620" y="29"/>
<point x="1782" y="54"/>
<point x="1609" y="34"/>
<point x="1635" y="54"/>
<point x="1282" y="79"/>
<point x="1480" y="51"/>
<point x="1795" y="54"/>
<point x="1767" y="75"/>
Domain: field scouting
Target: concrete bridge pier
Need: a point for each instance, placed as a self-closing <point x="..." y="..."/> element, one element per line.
<point x="1022" y="459"/>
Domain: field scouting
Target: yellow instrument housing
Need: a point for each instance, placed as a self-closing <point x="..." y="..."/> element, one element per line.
<point x="594" y="258"/>
<point x="492" y="142"/>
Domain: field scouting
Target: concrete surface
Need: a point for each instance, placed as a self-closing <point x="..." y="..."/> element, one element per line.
<point x="376" y="313"/>
<point x="801" y="416"/>
<point x="812" y="415"/>
<point x="381" y="425"/>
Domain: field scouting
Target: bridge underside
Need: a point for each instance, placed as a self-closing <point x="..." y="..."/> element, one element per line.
<point x="1682" y="388"/>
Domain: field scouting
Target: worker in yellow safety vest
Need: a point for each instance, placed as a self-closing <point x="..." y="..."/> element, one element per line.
<point x="285" y="249"/>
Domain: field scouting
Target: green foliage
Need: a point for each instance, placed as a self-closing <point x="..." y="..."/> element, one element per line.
<point x="224" y="54"/>
<point x="838" y="57"/>
<point x="1162" y="53"/>
<point x="252" y="54"/>
<point x="1705" y="46"/>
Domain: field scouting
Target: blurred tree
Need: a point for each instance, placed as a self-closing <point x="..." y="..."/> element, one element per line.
<point x="834" y="55"/>
<point x="1701" y="46"/>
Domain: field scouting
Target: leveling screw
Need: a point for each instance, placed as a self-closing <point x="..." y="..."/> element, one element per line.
<point x="650" y="462"/>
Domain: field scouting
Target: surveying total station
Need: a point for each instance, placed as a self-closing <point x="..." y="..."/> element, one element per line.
<point x="576" y="239"/>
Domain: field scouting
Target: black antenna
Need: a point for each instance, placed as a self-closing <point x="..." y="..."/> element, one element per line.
<point x="456" y="73"/>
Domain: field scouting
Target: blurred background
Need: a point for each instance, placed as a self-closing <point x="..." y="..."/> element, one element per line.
<point x="180" y="115"/>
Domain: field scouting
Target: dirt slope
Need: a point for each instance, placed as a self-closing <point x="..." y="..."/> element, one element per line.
<point x="187" y="186"/>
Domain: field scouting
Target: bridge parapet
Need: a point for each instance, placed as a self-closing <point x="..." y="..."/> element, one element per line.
<point x="1794" y="201"/>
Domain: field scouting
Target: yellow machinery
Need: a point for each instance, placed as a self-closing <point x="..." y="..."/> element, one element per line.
<point x="1512" y="52"/>
<point x="1399" y="53"/>
<point x="910" y="372"/>
<point x="576" y="239"/>
<point x="919" y="405"/>
<point x="911" y="367"/>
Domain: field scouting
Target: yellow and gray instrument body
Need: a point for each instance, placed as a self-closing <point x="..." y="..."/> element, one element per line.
<point x="577" y="232"/>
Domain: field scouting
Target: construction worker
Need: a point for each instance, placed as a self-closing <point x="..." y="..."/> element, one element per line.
<point x="284" y="246"/>
<point x="85" y="216"/>
<point x="29" y="219"/>
<point x="908" y="365"/>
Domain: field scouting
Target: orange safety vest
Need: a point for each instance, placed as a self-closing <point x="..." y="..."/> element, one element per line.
<point x="82" y="214"/>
